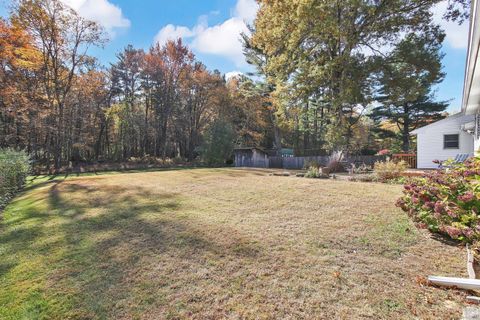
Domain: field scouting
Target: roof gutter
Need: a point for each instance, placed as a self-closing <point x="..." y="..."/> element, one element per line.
<point x="471" y="90"/>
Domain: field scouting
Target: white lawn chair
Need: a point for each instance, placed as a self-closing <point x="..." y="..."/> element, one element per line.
<point x="459" y="158"/>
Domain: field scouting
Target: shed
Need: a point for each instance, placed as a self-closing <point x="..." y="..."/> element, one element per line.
<point x="251" y="157"/>
<point x="443" y="140"/>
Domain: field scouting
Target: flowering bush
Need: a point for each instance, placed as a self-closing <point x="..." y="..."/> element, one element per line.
<point x="389" y="170"/>
<point x="384" y="152"/>
<point x="447" y="202"/>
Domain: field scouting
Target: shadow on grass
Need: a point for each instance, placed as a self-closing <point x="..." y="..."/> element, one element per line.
<point x="40" y="180"/>
<point x="88" y="242"/>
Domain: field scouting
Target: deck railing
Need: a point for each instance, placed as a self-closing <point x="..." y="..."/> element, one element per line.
<point x="409" y="158"/>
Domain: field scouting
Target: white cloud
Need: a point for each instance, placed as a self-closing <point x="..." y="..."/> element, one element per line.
<point x="233" y="74"/>
<point x="246" y="10"/>
<point x="221" y="39"/>
<point x="457" y="35"/>
<point x="171" y="32"/>
<point x="104" y="12"/>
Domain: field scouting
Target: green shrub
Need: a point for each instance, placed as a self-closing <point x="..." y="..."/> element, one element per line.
<point x="389" y="170"/>
<point x="447" y="202"/>
<point x="14" y="168"/>
<point x="147" y="159"/>
<point x="316" y="172"/>
<point x="218" y="143"/>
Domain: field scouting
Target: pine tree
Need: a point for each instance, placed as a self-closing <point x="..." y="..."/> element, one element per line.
<point x="407" y="81"/>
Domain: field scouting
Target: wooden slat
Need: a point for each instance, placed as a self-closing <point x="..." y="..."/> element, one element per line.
<point x="409" y="158"/>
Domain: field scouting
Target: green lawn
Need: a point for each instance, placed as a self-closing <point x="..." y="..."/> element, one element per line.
<point x="218" y="243"/>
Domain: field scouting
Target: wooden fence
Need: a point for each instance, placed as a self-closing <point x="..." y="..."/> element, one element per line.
<point x="293" y="163"/>
<point x="409" y="158"/>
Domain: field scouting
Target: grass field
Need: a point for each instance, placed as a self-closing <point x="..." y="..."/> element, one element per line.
<point x="218" y="243"/>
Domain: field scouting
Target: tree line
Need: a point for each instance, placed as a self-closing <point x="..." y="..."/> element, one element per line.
<point x="346" y="75"/>
<point x="351" y="75"/>
<point x="61" y="106"/>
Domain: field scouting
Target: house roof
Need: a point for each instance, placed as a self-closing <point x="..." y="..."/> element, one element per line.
<point x="471" y="90"/>
<point x="465" y="119"/>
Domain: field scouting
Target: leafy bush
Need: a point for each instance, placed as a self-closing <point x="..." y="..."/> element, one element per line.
<point x="14" y="168"/>
<point x="147" y="159"/>
<point x="447" y="202"/>
<point x="218" y="144"/>
<point x="361" y="169"/>
<point x="334" y="163"/>
<point x="389" y="170"/>
<point x="316" y="172"/>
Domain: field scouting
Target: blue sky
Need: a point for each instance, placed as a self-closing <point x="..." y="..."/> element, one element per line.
<point x="212" y="27"/>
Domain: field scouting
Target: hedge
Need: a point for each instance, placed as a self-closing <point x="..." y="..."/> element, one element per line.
<point x="14" y="168"/>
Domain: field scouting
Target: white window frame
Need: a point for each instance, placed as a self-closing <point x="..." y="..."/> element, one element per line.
<point x="451" y="134"/>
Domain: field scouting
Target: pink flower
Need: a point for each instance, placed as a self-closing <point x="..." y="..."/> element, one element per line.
<point x="429" y="205"/>
<point x="401" y="204"/>
<point x="453" y="232"/>
<point x="439" y="207"/>
<point x="468" y="232"/>
<point x="452" y="213"/>
<point x="422" y="225"/>
<point x="383" y="152"/>
<point x="468" y="196"/>
<point x="468" y="173"/>
<point x="453" y="187"/>
<point x="425" y="197"/>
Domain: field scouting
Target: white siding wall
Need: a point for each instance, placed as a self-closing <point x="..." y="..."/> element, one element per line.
<point x="477" y="134"/>
<point x="430" y="141"/>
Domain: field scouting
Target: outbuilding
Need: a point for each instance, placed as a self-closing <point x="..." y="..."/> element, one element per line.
<point x="443" y="140"/>
<point x="251" y="157"/>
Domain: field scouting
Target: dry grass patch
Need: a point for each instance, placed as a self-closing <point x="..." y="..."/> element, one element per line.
<point x="211" y="244"/>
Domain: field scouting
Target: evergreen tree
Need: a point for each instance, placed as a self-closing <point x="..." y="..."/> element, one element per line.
<point x="407" y="80"/>
<point x="325" y="51"/>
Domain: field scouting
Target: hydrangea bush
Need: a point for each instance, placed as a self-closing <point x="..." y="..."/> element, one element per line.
<point x="447" y="202"/>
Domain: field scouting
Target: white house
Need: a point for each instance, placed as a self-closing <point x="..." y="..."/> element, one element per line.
<point x="471" y="91"/>
<point x="459" y="133"/>
<point x="443" y="140"/>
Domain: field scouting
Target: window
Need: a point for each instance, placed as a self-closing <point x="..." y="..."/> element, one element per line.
<point x="450" y="141"/>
